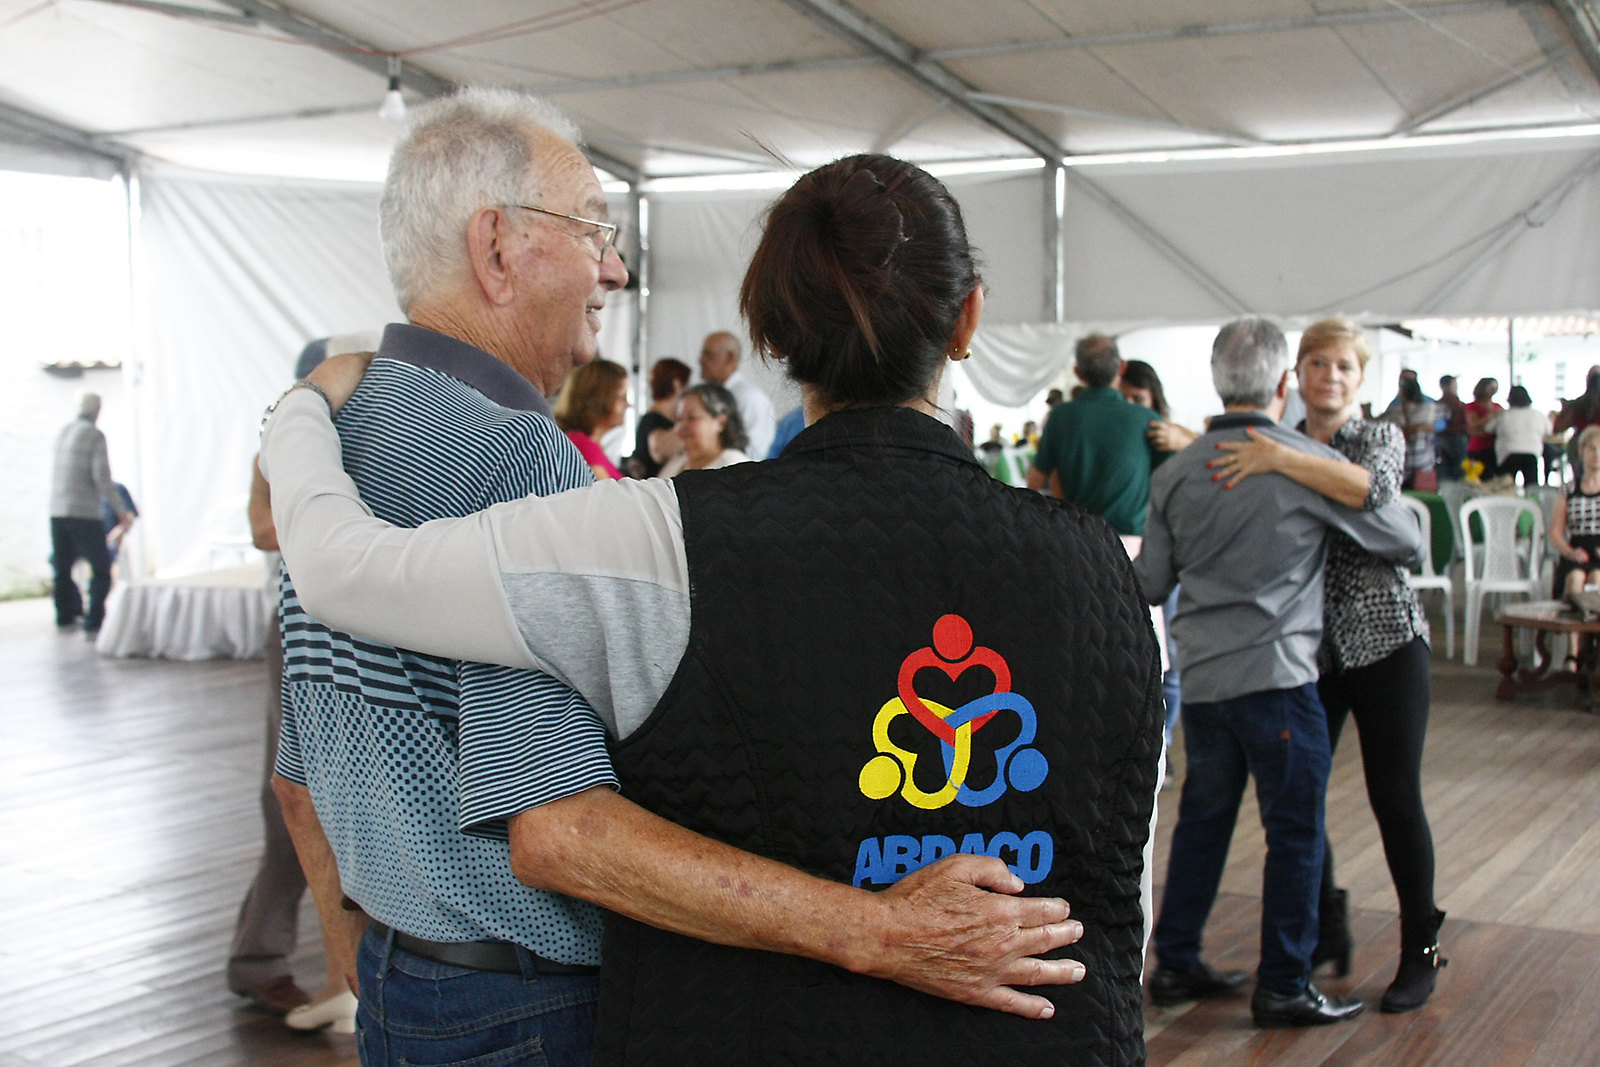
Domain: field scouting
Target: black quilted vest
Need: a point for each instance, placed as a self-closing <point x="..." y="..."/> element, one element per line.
<point x="873" y="600"/>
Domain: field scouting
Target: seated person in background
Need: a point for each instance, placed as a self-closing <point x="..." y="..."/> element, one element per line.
<point x="711" y="431"/>
<point x="653" y="441"/>
<point x="798" y="636"/>
<point x="592" y="403"/>
<point x="719" y="365"/>
<point x="1093" y="451"/>
<point x="1575" y="522"/>
<point x="996" y="441"/>
<point x="1519" y="433"/>
<point x="116" y="526"/>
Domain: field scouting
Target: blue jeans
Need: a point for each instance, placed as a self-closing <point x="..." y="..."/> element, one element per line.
<point x="416" y="1012"/>
<point x="1279" y="737"/>
<point x="1171" y="681"/>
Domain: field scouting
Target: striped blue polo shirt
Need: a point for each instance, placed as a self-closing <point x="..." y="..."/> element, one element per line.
<point x="400" y="750"/>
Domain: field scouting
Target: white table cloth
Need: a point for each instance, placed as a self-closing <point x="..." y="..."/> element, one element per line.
<point x="218" y="615"/>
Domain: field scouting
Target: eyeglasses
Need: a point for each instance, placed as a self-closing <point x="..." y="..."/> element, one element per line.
<point x="602" y="237"/>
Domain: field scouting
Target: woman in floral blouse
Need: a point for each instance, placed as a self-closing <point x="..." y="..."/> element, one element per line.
<point x="1374" y="654"/>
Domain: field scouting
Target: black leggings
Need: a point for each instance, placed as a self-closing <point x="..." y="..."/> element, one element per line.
<point x="1389" y="700"/>
<point x="1523" y="463"/>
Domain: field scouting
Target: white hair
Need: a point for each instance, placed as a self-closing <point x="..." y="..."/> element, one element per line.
<point x="1248" y="360"/>
<point x="459" y="153"/>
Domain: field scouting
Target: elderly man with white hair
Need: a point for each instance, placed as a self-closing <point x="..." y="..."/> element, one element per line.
<point x="80" y="480"/>
<point x="432" y="777"/>
<point x="1248" y="562"/>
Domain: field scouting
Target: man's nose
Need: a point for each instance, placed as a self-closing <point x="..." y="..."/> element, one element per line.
<point x="613" y="273"/>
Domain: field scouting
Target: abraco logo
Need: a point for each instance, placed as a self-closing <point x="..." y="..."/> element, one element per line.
<point x="1017" y="765"/>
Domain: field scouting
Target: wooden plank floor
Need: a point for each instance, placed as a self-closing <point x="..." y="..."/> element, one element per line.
<point x="129" y="829"/>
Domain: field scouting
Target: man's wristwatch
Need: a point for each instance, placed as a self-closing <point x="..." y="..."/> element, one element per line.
<point x="303" y="383"/>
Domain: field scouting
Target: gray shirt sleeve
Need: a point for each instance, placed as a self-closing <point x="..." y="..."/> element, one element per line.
<point x="1389" y="532"/>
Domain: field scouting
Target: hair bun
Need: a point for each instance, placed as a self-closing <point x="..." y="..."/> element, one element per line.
<point x="868" y="225"/>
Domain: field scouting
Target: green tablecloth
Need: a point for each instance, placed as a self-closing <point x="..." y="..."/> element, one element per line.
<point x="1444" y="534"/>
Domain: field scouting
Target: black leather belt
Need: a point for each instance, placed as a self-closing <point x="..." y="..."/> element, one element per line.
<point x="501" y="957"/>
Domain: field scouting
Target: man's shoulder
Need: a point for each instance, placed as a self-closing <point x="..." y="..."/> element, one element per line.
<point x="1297" y="440"/>
<point x="397" y="393"/>
<point x="409" y="420"/>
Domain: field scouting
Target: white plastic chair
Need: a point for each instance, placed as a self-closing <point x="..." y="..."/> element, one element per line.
<point x="1426" y="578"/>
<point x="1499" y="563"/>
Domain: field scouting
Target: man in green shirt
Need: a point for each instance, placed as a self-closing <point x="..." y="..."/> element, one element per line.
<point x="1093" y="451"/>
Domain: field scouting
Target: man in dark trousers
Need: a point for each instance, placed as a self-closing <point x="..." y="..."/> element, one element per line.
<point x="1249" y="564"/>
<point x="80" y="483"/>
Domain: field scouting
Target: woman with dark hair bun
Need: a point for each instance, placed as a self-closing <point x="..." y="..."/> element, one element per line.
<point x="861" y="659"/>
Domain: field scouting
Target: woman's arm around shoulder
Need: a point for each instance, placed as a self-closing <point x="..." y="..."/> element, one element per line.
<point x="1344" y="483"/>
<point x="439" y="588"/>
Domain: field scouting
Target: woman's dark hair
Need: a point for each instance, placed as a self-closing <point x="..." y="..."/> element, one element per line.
<point x="1484" y="390"/>
<point x="1140" y="375"/>
<point x="589" y="394"/>
<point x="858" y="280"/>
<point x="1519" y="398"/>
<point x="718" y="401"/>
<point x="667" y="377"/>
<point x="1411" y="390"/>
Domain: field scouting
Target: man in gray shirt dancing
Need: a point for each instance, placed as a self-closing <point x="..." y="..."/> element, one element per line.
<point x="1249" y="560"/>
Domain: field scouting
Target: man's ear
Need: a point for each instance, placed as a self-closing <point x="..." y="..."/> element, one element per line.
<point x="1283" y="386"/>
<point x="487" y="233"/>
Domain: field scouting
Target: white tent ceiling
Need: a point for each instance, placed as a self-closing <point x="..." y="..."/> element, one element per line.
<point x="236" y="272"/>
<point x="669" y="87"/>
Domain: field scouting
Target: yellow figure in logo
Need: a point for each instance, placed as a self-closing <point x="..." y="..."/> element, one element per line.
<point x="892" y="770"/>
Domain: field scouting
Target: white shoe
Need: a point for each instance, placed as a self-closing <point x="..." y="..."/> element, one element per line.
<point x="337" y="1013"/>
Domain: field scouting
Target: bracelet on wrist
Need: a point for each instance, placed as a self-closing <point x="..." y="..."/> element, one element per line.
<point x="303" y="383"/>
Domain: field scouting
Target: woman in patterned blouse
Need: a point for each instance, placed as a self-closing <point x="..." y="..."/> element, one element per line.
<point x="1575" y="523"/>
<point x="1374" y="654"/>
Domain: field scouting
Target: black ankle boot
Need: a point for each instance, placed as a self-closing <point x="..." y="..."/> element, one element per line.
<point x="1333" y="933"/>
<point x="1419" y="967"/>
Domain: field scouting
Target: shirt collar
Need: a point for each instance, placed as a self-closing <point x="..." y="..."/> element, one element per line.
<point x="883" y="427"/>
<point x="427" y="348"/>
<point x="1230" y="420"/>
<point x="1101" y="394"/>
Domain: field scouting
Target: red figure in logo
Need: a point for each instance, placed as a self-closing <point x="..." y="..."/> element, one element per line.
<point x="953" y="653"/>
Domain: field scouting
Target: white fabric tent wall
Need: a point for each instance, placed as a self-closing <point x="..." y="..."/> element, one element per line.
<point x="238" y="277"/>
<point x="700" y="244"/>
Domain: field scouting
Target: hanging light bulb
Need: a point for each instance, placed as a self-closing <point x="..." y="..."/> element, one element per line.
<point x="393" y="108"/>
